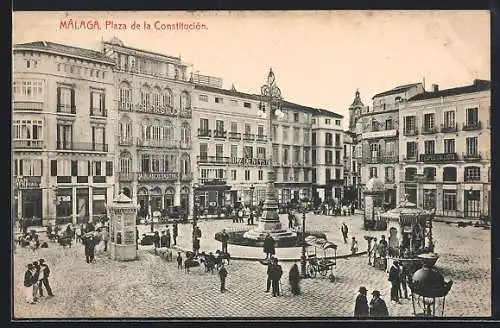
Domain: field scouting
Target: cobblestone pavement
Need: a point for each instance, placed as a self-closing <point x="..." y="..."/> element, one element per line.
<point x="151" y="287"/>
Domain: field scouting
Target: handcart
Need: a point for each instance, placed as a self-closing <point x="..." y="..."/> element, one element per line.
<point x="322" y="265"/>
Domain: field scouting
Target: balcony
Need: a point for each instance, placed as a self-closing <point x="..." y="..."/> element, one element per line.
<point x="410" y="132"/>
<point x="379" y="134"/>
<point x="186" y="177"/>
<point x="152" y="109"/>
<point x="234" y="135"/>
<point x="98" y="113"/>
<point x="373" y="160"/>
<point x="186" y="113"/>
<point x="429" y="130"/>
<point x="338" y="146"/>
<point x="125" y="176"/>
<point x="204" y="133"/>
<point x="449" y="128"/>
<point x="66" y="109"/>
<point x="154" y="143"/>
<point x="297" y="164"/>
<point x="390" y="159"/>
<point x="123" y="141"/>
<point x="185" y="145"/>
<point x="439" y="158"/>
<point x="125" y="106"/>
<point x="471" y="157"/>
<point x="471" y="126"/>
<point x="472" y="178"/>
<point x="249" y="136"/>
<point x="248" y="161"/>
<point x="82" y="146"/>
<point x="28" y="105"/>
<point x="212" y="160"/>
<point x="261" y="138"/>
<point x="28" y="144"/>
<point x="220" y="134"/>
<point x="213" y="182"/>
<point x="410" y="158"/>
<point x="157" y="176"/>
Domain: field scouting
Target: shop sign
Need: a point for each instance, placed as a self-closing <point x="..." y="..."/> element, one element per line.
<point x="28" y="182"/>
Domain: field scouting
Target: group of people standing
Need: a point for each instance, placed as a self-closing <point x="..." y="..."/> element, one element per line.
<point x="376" y="307"/>
<point x="36" y="277"/>
<point x="336" y="207"/>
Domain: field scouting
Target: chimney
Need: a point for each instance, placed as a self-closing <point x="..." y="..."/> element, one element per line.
<point x="435" y="88"/>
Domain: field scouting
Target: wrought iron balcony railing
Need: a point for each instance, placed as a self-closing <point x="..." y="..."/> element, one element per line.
<point x="471" y="126"/>
<point x="410" y="132"/>
<point x="429" y="129"/>
<point x="262" y="138"/>
<point x="235" y="135"/>
<point x="28" y="143"/>
<point x="27" y="105"/>
<point x="219" y="134"/>
<point x="157" y="143"/>
<point x="249" y="136"/>
<point x="82" y="146"/>
<point x="157" y="176"/>
<point x="449" y="128"/>
<point x="204" y="133"/>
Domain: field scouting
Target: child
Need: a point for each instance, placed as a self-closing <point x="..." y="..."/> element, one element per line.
<point x="179" y="261"/>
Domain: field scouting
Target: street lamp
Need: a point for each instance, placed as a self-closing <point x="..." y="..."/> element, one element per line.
<point x="195" y="205"/>
<point x="303" y="260"/>
<point x="252" y="188"/>
<point x="428" y="288"/>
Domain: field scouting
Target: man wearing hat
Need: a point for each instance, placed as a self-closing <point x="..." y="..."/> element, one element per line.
<point x="36" y="281"/>
<point x="44" y="268"/>
<point x="395" y="282"/>
<point x="378" y="308"/>
<point x="361" y="306"/>
<point x="28" y="283"/>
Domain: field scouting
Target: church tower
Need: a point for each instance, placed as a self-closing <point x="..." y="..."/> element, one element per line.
<point x="355" y="111"/>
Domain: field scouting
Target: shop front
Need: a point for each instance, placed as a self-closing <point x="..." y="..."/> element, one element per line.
<point x="64" y="206"/>
<point x="99" y="200"/>
<point x="29" y="198"/>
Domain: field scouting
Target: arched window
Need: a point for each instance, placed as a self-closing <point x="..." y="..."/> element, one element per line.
<point x="145" y="97"/>
<point x="185" y="164"/>
<point x="125" y="162"/>
<point x="185" y="133"/>
<point x="450" y="174"/>
<point x="168" y="131"/>
<point x="169" y="197"/>
<point x="410" y="173"/>
<point x="125" y="97"/>
<point x="185" y="100"/>
<point x="156" y="97"/>
<point x="146" y="129"/>
<point x="472" y="173"/>
<point x="429" y="173"/>
<point x="167" y="98"/>
<point x="156" y="129"/>
<point x="125" y="130"/>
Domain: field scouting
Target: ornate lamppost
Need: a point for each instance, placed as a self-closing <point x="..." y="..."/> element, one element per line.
<point x="303" y="259"/>
<point x="252" y="188"/>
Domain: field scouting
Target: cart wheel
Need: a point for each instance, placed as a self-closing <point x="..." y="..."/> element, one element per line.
<point x="311" y="271"/>
<point x="331" y="277"/>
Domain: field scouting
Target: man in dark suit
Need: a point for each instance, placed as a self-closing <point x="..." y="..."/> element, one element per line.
<point x="222" y="275"/>
<point x="269" y="273"/>
<point x="28" y="283"/>
<point x="276" y="274"/>
<point x="378" y="308"/>
<point x="175" y="232"/>
<point x="395" y="282"/>
<point x="89" y="243"/>
<point x="45" y="280"/>
<point x="224" y="237"/>
<point x="361" y="306"/>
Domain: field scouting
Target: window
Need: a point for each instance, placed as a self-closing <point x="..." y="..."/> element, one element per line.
<point x="156" y="97"/>
<point x="247" y="175"/>
<point x="260" y="175"/>
<point x="260" y="130"/>
<point x="125" y="97"/>
<point x="204" y="173"/>
<point x="218" y="100"/>
<point x="307" y="137"/>
<point x="411" y="150"/>
<point x="337" y="122"/>
<point x="275" y="154"/>
<point x="296" y="155"/>
<point x="337" y="140"/>
<point x="449" y="200"/>
<point x="248" y="128"/>
<point x="449" y="119"/>
<point x="203" y="98"/>
<point x="285" y="155"/>
<point x="449" y="146"/>
<point x="373" y="172"/>
<point x="390" y="148"/>
<point x="306" y="156"/>
<point x="296" y="117"/>
<point x="167" y="98"/>
<point x="145" y="163"/>
<point x="429" y="146"/>
<point x="203" y="151"/>
<point x="410" y="123"/>
<point x="472" y="173"/>
<point x="219" y="152"/>
<point x="410" y="173"/>
<point x="375" y="126"/>
<point x="27" y="130"/>
<point x="449" y="174"/>
<point x="374" y="150"/>
<point x="234" y="151"/>
<point x="296" y="135"/>
<point x="389" y="174"/>
<point x="313" y="139"/>
<point x="337" y="174"/>
<point x="97" y="103"/>
<point x="248" y="152"/>
<point x="471" y="145"/>
<point x="337" y="157"/>
<point x="145" y="97"/>
<point x="247" y="105"/>
<point x="327" y="121"/>
<point x="428" y="122"/>
<point x="328" y="139"/>
<point x="155" y="163"/>
<point x="219" y="126"/>
<point x="185" y="100"/>
<point x="275" y="132"/>
<point x="29" y="90"/>
<point x="306" y="175"/>
<point x="234" y="127"/>
<point x="285" y="134"/>
<point x="313" y="157"/>
<point x="328" y="175"/>
<point x="64" y="136"/>
<point x="261" y="152"/>
<point x="429" y="199"/>
<point x="233" y="174"/>
<point x="203" y="124"/>
<point x="98" y="138"/>
<point x="472" y="116"/>
<point x="429" y="173"/>
<point x="313" y="121"/>
<point x="328" y="157"/>
<point x="388" y="124"/>
<point x="66" y="100"/>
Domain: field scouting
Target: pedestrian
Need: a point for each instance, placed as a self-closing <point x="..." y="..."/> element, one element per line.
<point x="294" y="278"/>
<point x="167" y="240"/>
<point x="270" y="265"/>
<point x="223" y="276"/>
<point x="224" y="237"/>
<point x="175" y="232"/>
<point x="163" y="239"/>
<point x="89" y="243"/>
<point x="179" y="260"/>
<point x="345" y="230"/>
<point x="105" y="237"/>
<point x="395" y="282"/>
<point x="290" y="220"/>
<point x="136" y="238"/>
<point x="378" y="308"/>
<point x="45" y="280"/>
<point x="276" y="274"/>
<point x="156" y="241"/>
<point x="36" y="280"/>
<point x="361" y="306"/>
<point x="354" y="246"/>
<point x="196" y="246"/>
<point x="352" y="208"/>
<point x="374" y="251"/>
<point x="403" y="275"/>
<point x="250" y="218"/>
<point x="269" y="246"/>
<point x="28" y="283"/>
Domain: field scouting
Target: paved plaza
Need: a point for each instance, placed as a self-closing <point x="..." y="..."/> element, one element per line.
<point x="152" y="287"/>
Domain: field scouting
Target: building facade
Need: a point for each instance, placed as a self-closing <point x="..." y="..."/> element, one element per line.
<point x="377" y="130"/>
<point x="63" y="138"/>
<point x="445" y="150"/>
<point x="153" y="131"/>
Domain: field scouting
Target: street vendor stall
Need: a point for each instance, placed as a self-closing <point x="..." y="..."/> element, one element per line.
<point x="410" y="234"/>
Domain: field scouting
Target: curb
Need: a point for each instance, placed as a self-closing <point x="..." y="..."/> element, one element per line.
<point x="282" y="259"/>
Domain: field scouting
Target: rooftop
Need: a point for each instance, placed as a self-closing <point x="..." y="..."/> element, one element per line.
<point x="234" y="93"/>
<point x="396" y="90"/>
<point x="63" y="49"/>
<point x="476" y="86"/>
<point x="116" y="42"/>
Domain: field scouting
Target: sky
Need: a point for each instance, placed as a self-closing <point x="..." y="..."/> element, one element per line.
<point x="320" y="58"/>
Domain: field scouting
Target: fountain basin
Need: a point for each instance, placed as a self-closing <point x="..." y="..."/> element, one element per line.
<point x="287" y="238"/>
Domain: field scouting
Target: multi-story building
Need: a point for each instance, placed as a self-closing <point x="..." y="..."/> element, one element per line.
<point x="233" y="148"/>
<point x="377" y="130"/>
<point x="445" y="150"/>
<point x="63" y="138"/>
<point x="327" y="156"/>
<point x="153" y="97"/>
